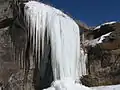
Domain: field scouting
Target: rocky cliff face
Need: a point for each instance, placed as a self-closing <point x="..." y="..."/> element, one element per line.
<point x="103" y="47"/>
<point x="12" y="41"/>
<point x="7" y="65"/>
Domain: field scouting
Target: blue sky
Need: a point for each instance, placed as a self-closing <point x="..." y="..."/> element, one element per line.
<point x="92" y="12"/>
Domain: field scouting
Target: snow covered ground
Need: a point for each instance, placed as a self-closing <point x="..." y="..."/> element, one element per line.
<point x="110" y="87"/>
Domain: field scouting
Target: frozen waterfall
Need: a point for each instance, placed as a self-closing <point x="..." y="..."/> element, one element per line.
<point x="63" y="33"/>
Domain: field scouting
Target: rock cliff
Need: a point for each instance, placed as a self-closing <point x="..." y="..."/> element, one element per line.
<point x="102" y="44"/>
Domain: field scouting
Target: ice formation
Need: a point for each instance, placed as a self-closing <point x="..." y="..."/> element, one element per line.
<point x="63" y="33"/>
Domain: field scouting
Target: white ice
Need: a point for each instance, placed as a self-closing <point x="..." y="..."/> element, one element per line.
<point x="63" y="33"/>
<point x="67" y="85"/>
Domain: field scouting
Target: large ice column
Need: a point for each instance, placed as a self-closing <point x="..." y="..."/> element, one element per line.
<point x="83" y="57"/>
<point x="64" y="37"/>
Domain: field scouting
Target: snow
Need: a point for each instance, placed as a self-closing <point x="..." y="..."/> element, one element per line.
<point x="63" y="33"/>
<point x="103" y="37"/>
<point x="96" y="41"/>
<point x="98" y="27"/>
<point x="109" y="23"/>
<point x="110" y="87"/>
<point x="67" y="85"/>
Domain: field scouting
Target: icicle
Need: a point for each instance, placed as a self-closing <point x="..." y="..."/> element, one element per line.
<point x="39" y="35"/>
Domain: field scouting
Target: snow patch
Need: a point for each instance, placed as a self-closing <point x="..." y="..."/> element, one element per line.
<point x="98" y="27"/>
<point x="110" y="87"/>
<point x="109" y="23"/>
<point x="103" y="37"/>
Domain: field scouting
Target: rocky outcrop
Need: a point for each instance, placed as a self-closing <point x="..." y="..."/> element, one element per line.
<point x="103" y="47"/>
<point x="7" y="63"/>
<point x="12" y="41"/>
